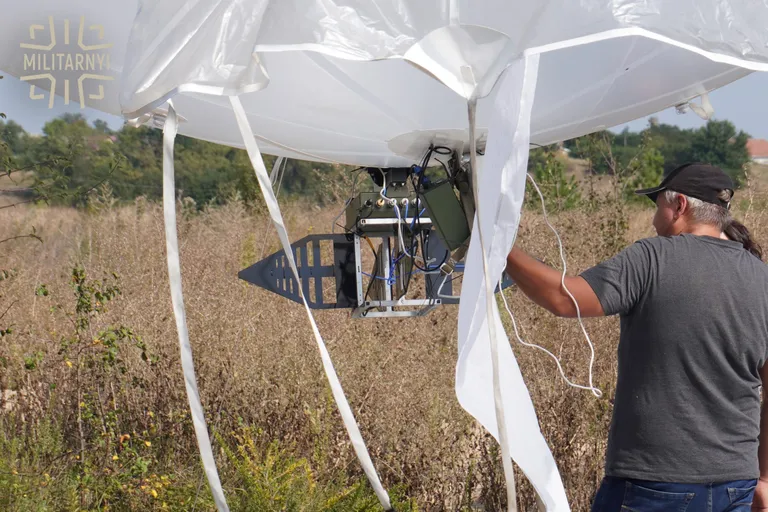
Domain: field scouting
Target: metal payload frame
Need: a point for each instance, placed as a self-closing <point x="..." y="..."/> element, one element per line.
<point x="447" y="220"/>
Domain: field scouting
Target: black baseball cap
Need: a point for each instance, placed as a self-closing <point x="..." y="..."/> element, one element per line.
<point x="702" y="181"/>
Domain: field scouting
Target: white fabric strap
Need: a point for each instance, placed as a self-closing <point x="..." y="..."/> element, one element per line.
<point x="490" y="284"/>
<point x="277" y="219"/>
<point x="453" y="12"/>
<point x="174" y="275"/>
<point x="501" y="188"/>
<point x="276" y="170"/>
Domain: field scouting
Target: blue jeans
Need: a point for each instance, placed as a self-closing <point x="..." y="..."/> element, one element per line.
<point x="623" y="495"/>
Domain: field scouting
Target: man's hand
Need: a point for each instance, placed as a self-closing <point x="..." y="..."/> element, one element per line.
<point x="760" y="501"/>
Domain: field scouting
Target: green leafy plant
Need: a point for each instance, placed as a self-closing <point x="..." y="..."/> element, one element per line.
<point x="560" y="191"/>
<point x="270" y="478"/>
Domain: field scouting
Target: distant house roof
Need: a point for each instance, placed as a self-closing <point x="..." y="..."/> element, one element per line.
<point x="758" y="148"/>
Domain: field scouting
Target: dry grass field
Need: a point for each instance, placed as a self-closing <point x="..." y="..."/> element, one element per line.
<point x="93" y="414"/>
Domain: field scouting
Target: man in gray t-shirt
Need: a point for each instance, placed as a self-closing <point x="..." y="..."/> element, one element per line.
<point x="693" y="304"/>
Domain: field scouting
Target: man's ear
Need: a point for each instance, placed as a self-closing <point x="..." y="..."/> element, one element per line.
<point x="681" y="206"/>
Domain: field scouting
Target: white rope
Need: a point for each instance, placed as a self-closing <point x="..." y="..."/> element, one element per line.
<point x="591" y="387"/>
<point x="440" y="289"/>
<point x="174" y="275"/>
<point x="533" y="345"/>
<point x="498" y="400"/>
<point x="277" y="219"/>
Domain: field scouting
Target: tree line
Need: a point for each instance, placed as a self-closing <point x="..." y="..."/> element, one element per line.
<point x="665" y="147"/>
<point x="72" y="157"/>
<point x="633" y="160"/>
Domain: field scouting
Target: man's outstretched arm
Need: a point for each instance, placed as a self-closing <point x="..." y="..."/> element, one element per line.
<point x="541" y="284"/>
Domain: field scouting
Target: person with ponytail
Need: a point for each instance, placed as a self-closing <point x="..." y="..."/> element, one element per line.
<point x="738" y="232"/>
<point x="688" y="431"/>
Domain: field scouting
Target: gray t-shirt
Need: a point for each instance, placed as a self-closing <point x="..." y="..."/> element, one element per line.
<point x="694" y="335"/>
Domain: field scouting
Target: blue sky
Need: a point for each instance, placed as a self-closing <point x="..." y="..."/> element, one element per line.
<point x="742" y="102"/>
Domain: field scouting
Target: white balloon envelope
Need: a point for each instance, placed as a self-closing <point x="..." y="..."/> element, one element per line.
<point x="374" y="83"/>
<point x="340" y="80"/>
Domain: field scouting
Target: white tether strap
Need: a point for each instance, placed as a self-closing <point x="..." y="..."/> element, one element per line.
<point x="490" y="284"/>
<point x="277" y="219"/>
<point x="276" y="170"/>
<point x="174" y="276"/>
<point x="453" y="12"/>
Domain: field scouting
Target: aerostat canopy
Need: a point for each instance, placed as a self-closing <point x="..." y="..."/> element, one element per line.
<point x="372" y="82"/>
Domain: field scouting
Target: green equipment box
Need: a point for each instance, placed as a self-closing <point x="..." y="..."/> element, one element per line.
<point x="447" y="215"/>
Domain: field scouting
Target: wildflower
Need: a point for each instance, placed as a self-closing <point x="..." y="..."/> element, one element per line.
<point x="115" y="457"/>
<point x="154" y="493"/>
<point x="148" y="443"/>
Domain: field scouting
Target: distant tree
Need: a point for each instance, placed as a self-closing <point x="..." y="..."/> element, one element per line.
<point x="13" y="135"/>
<point x="627" y="138"/>
<point x="560" y="191"/>
<point x="101" y="126"/>
<point x="645" y="171"/>
<point x="719" y="143"/>
<point x="142" y="175"/>
<point x="79" y="160"/>
<point x="321" y="183"/>
<point x="597" y="149"/>
<point x="674" y="143"/>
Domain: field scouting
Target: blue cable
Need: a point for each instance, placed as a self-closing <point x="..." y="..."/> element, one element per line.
<point x="392" y="278"/>
<point x="413" y="222"/>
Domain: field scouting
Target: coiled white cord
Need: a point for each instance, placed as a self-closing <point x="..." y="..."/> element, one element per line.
<point x="591" y="387"/>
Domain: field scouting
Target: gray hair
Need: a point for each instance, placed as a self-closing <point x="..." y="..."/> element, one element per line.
<point x="705" y="213"/>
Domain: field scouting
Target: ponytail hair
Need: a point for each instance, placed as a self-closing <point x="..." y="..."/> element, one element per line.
<point x="715" y="215"/>
<point x="738" y="232"/>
